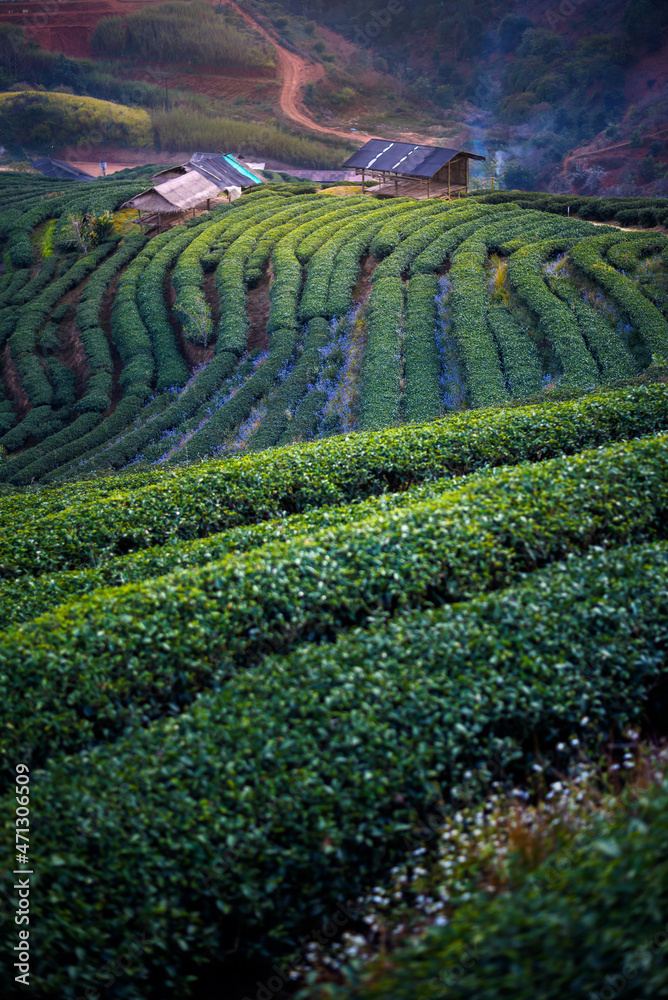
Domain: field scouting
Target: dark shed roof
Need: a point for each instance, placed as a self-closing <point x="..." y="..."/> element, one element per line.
<point x="222" y="169"/>
<point x="404" y="157"/>
<point x="59" y="170"/>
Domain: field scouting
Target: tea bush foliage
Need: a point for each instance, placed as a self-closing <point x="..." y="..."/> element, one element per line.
<point x="243" y="656"/>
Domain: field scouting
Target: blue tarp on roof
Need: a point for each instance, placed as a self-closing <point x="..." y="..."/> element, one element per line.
<point x="224" y="170"/>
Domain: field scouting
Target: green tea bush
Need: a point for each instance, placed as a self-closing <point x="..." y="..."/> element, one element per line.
<point x="290" y="830"/>
<point x="421" y="355"/>
<point x="31" y="464"/>
<point x="381" y="370"/>
<point x="627" y="254"/>
<point x="28" y="596"/>
<point x="484" y="378"/>
<point x="207" y="498"/>
<point x="446" y="549"/>
<point x="587" y="255"/>
<point x="303" y="425"/>
<point x="74" y="443"/>
<point x="611" y="353"/>
<point x="438" y="251"/>
<point x="63" y="380"/>
<point x="32" y="288"/>
<point x="521" y="362"/>
<point x="322" y="265"/>
<point x="601" y="938"/>
<point x="215" y="430"/>
<point x="283" y="404"/>
<point x="555" y="320"/>
<point x="38" y="424"/>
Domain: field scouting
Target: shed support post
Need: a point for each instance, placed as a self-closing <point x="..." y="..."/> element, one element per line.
<point x="467" y="175"/>
<point x="427" y="187"/>
<point x="396" y="186"/>
<point x="448" y="180"/>
<point x="208" y="204"/>
<point x="363" y="175"/>
<point x="158" y="221"/>
<point x="141" y="224"/>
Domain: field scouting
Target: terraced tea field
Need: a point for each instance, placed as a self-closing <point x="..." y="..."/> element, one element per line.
<point x="245" y="667"/>
<point x="279" y="319"/>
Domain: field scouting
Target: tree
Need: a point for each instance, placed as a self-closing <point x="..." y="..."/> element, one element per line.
<point x="644" y="22"/>
<point x="511" y="31"/>
<point x="88" y="230"/>
<point x="519" y="178"/>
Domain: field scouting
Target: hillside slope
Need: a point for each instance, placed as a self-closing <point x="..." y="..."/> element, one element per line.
<point x="287" y="316"/>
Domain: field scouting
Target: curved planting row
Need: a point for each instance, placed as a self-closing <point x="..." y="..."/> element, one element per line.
<point x="388" y="631"/>
<point x="531" y="300"/>
<point x="243" y="685"/>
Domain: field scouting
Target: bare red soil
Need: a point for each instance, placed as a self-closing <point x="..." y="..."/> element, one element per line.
<point x="362" y="289"/>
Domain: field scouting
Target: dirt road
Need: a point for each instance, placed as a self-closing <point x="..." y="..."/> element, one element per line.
<point x="295" y="71"/>
<point x="68" y="27"/>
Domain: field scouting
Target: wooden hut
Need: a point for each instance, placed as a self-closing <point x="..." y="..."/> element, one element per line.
<point x="407" y="170"/>
<point x="174" y="197"/>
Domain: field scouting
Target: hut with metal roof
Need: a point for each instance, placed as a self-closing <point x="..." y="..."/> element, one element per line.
<point x="60" y="170"/>
<point x="173" y="198"/>
<point x="406" y="169"/>
<point x="221" y="169"/>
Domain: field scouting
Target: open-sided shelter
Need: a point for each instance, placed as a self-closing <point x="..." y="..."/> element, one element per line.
<point x="404" y="168"/>
<point x="174" y="197"/>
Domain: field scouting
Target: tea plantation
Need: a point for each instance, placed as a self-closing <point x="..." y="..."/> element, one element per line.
<point x="244" y="655"/>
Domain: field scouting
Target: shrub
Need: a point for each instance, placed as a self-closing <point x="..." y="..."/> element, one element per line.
<point x="275" y="796"/>
<point x="204" y="499"/>
<point x="422" y="362"/>
<point x="521" y="362"/>
<point x="64" y="118"/>
<point x="285" y="400"/>
<point x="644" y="315"/>
<point x="599" y="938"/>
<point x="381" y="368"/>
<point x="556" y="322"/>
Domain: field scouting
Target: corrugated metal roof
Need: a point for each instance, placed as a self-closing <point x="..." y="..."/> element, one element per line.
<point x="176" y="194"/>
<point x="60" y="170"/>
<point x="404" y="157"/>
<point x="221" y="169"/>
<point x="224" y="170"/>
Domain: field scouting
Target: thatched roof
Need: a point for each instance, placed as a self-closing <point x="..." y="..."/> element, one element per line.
<point x="175" y="194"/>
<point x="404" y="158"/>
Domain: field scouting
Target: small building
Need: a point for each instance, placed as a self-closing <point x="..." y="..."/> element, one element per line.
<point x="221" y="169"/>
<point x="59" y="170"/>
<point x="173" y="198"/>
<point x="407" y="170"/>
